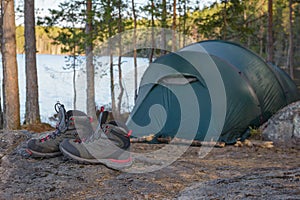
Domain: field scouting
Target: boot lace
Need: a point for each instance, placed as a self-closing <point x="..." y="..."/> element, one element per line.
<point x="52" y="135"/>
<point x="60" y="110"/>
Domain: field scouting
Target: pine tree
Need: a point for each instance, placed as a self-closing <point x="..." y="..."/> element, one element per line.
<point x="10" y="68"/>
<point x="270" y="32"/>
<point x="90" y="71"/>
<point x="32" y="114"/>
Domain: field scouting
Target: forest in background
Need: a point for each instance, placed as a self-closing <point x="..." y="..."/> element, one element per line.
<point x="44" y="43"/>
<point x="244" y="22"/>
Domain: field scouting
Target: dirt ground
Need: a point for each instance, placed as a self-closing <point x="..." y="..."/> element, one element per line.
<point x="225" y="173"/>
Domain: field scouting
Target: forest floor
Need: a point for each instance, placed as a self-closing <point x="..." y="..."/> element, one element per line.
<point x="225" y="173"/>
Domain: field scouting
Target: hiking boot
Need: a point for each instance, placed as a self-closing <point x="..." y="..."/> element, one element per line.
<point x="109" y="146"/>
<point x="68" y="127"/>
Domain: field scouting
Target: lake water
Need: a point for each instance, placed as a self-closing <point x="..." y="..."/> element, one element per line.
<point x="55" y="83"/>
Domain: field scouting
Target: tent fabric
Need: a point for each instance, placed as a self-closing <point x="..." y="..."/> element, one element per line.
<point x="175" y="96"/>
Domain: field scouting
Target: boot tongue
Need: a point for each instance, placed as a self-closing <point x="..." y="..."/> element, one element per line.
<point x="62" y="125"/>
<point x="83" y="126"/>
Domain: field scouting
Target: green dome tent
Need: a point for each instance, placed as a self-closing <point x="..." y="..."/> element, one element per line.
<point x="211" y="90"/>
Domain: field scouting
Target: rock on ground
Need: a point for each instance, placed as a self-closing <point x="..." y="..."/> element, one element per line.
<point x="284" y="126"/>
<point x="264" y="184"/>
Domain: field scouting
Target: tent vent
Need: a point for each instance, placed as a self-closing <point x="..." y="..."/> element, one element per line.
<point x="177" y="79"/>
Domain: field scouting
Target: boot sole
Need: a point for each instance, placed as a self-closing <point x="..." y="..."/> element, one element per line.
<point x="36" y="154"/>
<point x="110" y="163"/>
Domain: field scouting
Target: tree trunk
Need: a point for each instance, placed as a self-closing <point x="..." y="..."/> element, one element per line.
<point x="120" y="29"/>
<point x="134" y="49"/>
<point x="32" y="114"/>
<point x="1" y="114"/>
<point x="112" y="85"/>
<point x="152" y="32"/>
<point x="174" y="41"/>
<point x="261" y="37"/>
<point x="164" y="26"/>
<point x="10" y="67"/>
<point x="184" y="23"/>
<point x="291" y="46"/>
<point x="111" y="68"/>
<point x="225" y="20"/>
<point x="90" y="71"/>
<point x="1" y="111"/>
<point x="270" y="50"/>
<point x="120" y="97"/>
<point x="74" y="79"/>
